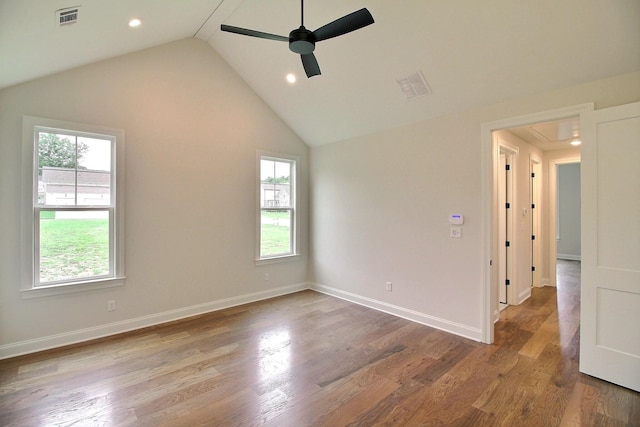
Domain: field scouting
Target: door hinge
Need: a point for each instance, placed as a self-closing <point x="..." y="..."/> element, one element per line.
<point x="507" y="243"/>
<point x="507" y="282"/>
<point x="533" y="268"/>
<point x="533" y="237"/>
<point x="507" y="167"/>
<point x="507" y="205"/>
<point x="533" y="174"/>
<point x="533" y="205"/>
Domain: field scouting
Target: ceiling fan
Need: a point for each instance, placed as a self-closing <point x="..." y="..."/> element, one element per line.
<point x="303" y="41"/>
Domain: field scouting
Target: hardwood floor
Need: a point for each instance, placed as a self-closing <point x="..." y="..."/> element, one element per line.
<point x="309" y="359"/>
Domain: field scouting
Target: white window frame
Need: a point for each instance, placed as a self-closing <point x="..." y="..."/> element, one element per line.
<point x="293" y="209"/>
<point x="31" y="210"/>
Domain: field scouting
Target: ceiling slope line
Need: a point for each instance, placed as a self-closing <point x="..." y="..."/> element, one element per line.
<point x="225" y="9"/>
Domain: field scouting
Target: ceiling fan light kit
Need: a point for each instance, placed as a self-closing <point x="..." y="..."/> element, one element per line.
<point x="303" y="42"/>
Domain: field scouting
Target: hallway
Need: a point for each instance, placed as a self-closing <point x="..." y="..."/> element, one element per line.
<point x="542" y="335"/>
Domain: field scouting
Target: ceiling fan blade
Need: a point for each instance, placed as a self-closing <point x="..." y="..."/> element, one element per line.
<point x="253" y="33"/>
<point x="346" y="24"/>
<point x="310" y="64"/>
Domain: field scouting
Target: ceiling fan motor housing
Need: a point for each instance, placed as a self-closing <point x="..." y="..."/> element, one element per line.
<point x="302" y="41"/>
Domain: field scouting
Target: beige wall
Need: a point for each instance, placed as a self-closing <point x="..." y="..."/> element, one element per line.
<point x="380" y="205"/>
<point x="193" y="128"/>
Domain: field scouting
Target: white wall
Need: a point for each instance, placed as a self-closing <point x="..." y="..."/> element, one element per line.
<point x="381" y="203"/>
<point x="192" y="131"/>
<point x="381" y="206"/>
<point x="568" y="230"/>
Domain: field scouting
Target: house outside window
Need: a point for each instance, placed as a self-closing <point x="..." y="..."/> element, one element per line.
<point x="277" y="214"/>
<point x="75" y="223"/>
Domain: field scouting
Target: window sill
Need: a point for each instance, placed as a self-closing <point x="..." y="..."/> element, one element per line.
<point x="277" y="259"/>
<point x="68" y="288"/>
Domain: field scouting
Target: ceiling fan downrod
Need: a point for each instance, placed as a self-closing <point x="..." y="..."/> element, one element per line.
<point x="301" y="40"/>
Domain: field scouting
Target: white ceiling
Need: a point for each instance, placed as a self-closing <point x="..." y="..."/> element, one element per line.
<point x="33" y="45"/>
<point x="557" y="135"/>
<point x="470" y="52"/>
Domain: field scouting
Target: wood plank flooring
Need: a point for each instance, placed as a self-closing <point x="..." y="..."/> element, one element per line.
<point x="309" y="359"/>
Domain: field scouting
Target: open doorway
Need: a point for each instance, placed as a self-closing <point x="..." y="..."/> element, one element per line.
<point x="568" y="212"/>
<point x="533" y="227"/>
<point x="564" y="209"/>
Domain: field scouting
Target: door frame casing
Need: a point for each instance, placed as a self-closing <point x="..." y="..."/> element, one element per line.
<point x="488" y="169"/>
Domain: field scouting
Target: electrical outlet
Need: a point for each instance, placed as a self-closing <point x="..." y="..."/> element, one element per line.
<point x="389" y="286"/>
<point x="111" y="305"/>
<point x="266" y="277"/>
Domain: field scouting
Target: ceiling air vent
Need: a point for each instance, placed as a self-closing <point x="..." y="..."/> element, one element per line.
<point x="67" y="16"/>
<point x="414" y="85"/>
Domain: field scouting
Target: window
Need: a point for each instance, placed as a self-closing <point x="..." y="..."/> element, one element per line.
<point x="277" y="218"/>
<point x="75" y="205"/>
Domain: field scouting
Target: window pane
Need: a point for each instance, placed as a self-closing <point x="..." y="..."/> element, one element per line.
<point x="275" y="184"/>
<point x="56" y="150"/>
<point x="73" y="170"/>
<point x="73" y="245"/>
<point x="94" y="171"/>
<point x="275" y="232"/>
<point x="56" y="169"/>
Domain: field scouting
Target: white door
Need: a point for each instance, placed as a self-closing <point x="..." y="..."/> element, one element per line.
<point x="505" y="221"/>
<point x="502" y="234"/>
<point x="536" y="252"/>
<point x="610" y="307"/>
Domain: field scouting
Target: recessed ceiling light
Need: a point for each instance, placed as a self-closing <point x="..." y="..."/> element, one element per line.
<point x="291" y="78"/>
<point x="135" y="22"/>
<point x="576" y="142"/>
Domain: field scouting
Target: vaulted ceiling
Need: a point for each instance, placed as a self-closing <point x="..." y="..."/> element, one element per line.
<point x="470" y="52"/>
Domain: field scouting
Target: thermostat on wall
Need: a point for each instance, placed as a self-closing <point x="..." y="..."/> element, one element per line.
<point x="456" y="219"/>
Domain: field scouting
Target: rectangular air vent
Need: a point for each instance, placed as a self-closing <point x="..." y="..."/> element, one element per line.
<point x="67" y="16"/>
<point x="414" y="85"/>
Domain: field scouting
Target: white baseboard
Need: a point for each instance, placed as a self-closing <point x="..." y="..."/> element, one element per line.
<point x="405" y="313"/>
<point x="524" y="295"/>
<point x="81" y="335"/>
<point x="569" y="257"/>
